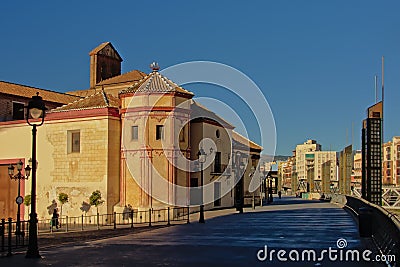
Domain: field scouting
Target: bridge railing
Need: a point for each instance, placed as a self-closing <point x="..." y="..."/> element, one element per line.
<point x="384" y="225"/>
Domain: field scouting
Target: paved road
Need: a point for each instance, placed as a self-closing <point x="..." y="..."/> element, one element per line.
<point x="224" y="240"/>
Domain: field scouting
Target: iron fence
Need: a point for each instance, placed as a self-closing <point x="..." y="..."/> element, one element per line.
<point x="15" y="234"/>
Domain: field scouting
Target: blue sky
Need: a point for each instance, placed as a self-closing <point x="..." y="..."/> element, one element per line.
<point x="314" y="60"/>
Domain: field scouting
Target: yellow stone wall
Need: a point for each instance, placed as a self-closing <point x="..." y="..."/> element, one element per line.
<point x="159" y="152"/>
<point x="76" y="174"/>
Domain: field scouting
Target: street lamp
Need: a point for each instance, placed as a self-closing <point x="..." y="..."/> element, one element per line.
<point x="240" y="164"/>
<point x="253" y="201"/>
<point x="263" y="183"/>
<point x="202" y="159"/>
<point x="35" y="118"/>
<point x="271" y="199"/>
<point x="19" y="198"/>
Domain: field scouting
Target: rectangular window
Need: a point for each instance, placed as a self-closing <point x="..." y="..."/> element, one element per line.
<point x="182" y="135"/>
<point x="217" y="162"/>
<point x="387" y="172"/>
<point x="135" y="132"/>
<point x="159" y="132"/>
<point x="74" y="141"/>
<point x="376" y="114"/>
<point x="217" y="194"/>
<point x="18" y="111"/>
<point x="194" y="182"/>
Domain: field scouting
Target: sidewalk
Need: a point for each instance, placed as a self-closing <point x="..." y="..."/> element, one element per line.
<point x="226" y="239"/>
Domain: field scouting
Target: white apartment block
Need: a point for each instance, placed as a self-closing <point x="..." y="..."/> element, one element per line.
<point x="317" y="158"/>
<point x="301" y="150"/>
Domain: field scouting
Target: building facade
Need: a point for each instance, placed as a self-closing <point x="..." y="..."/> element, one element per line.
<point x="357" y="171"/>
<point x="391" y="162"/>
<point x="310" y="164"/>
<point x="301" y="161"/>
<point x="135" y="137"/>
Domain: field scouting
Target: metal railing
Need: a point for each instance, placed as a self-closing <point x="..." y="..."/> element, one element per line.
<point x="384" y="225"/>
<point x="11" y="238"/>
<point x="13" y="235"/>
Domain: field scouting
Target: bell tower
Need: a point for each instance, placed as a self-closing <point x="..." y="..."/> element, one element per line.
<point x="105" y="62"/>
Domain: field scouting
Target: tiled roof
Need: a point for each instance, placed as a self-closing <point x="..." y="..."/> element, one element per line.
<point x="155" y="83"/>
<point x="200" y="112"/>
<point x="28" y="92"/>
<point x="244" y="141"/>
<point x="128" y="79"/>
<point x="132" y="76"/>
<point x="84" y="93"/>
<point x="98" y="100"/>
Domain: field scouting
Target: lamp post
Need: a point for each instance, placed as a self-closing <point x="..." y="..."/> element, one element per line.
<point x="269" y="181"/>
<point x="271" y="199"/>
<point x="240" y="163"/>
<point x="35" y="117"/>
<point x="19" y="198"/>
<point x="253" y="200"/>
<point x="262" y="183"/>
<point x="202" y="159"/>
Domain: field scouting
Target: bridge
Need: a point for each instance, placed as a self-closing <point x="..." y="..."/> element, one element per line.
<point x="289" y="232"/>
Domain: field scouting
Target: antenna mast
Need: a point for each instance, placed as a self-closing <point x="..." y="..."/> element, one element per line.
<point x="376" y="89"/>
<point x="383" y="93"/>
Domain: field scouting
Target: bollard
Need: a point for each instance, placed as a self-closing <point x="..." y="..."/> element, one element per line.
<point x="149" y="217"/>
<point x="82" y="223"/>
<point x="3" y="227"/>
<point x="115" y="220"/>
<point x="169" y="222"/>
<point x="188" y="219"/>
<point x="131" y="218"/>
<point x="9" y="236"/>
<point x="66" y="224"/>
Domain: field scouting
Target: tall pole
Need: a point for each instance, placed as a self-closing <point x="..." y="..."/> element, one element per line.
<point x="376" y="88"/>
<point x="239" y="184"/>
<point x="261" y="191"/>
<point x="201" y="219"/>
<point x="18" y="231"/>
<point x="33" y="249"/>
<point x="270" y="191"/>
<point x="383" y="93"/>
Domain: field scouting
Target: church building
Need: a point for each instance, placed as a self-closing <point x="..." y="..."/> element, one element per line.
<point x="136" y="137"/>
